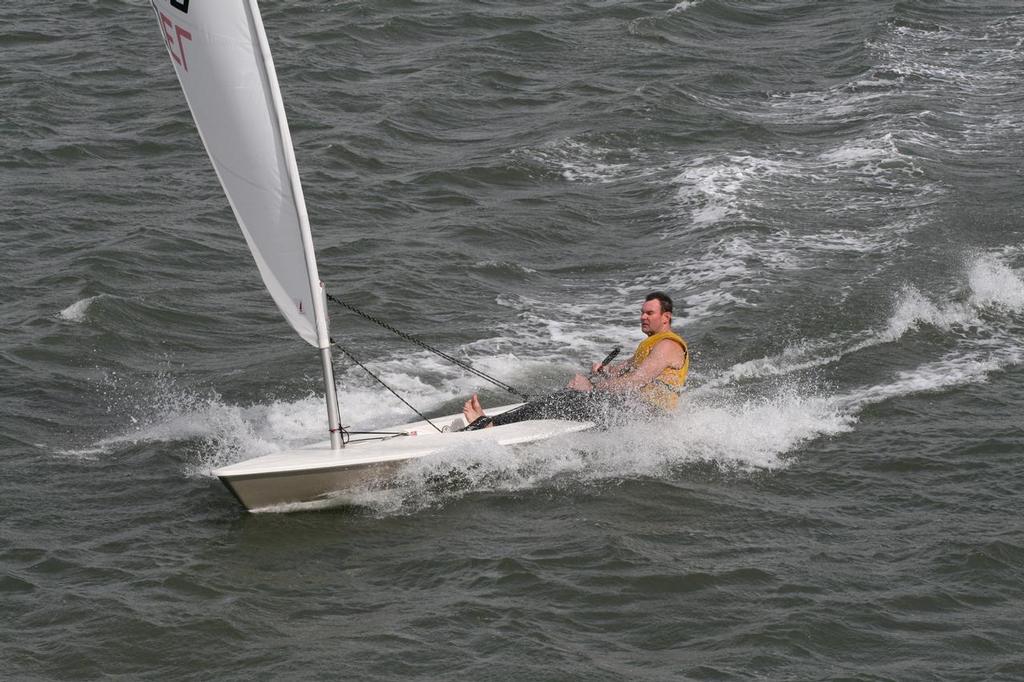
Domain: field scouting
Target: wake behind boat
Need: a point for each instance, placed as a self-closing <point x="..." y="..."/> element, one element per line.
<point x="222" y="58"/>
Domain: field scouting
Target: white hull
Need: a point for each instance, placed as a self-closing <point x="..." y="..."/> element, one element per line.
<point x="317" y="472"/>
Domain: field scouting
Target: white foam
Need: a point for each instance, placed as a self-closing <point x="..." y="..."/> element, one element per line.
<point x="708" y="277"/>
<point x="795" y="357"/>
<point x="716" y="277"/>
<point x="76" y="312"/>
<point x="157" y="410"/>
<point x="737" y="187"/>
<point x="580" y="331"/>
<point x="860" y="151"/>
<point x="913" y="309"/>
<point x="683" y="6"/>
<point x="990" y="282"/>
<point x="734" y="435"/>
<point x="955" y="369"/>
<point x="975" y="68"/>
<point x="994" y="283"/>
<point x="714" y="188"/>
<point x="501" y="265"/>
<point x="968" y="71"/>
<point x="578" y="161"/>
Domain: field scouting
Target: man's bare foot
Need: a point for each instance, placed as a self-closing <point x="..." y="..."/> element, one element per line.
<point x="472" y="410"/>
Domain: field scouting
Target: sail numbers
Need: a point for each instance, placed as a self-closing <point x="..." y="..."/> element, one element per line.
<point x="175" y="35"/>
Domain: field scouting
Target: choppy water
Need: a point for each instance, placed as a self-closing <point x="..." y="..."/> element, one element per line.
<point x="832" y="188"/>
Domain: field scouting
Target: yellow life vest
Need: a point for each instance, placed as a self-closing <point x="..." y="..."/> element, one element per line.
<point x="663" y="390"/>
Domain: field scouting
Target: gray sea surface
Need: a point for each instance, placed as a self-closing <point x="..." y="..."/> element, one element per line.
<point x="832" y="192"/>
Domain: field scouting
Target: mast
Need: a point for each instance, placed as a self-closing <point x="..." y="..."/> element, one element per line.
<point x="316" y="287"/>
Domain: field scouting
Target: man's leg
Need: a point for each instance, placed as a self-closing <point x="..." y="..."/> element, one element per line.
<point x="565" y="404"/>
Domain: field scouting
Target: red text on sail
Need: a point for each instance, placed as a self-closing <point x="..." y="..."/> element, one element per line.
<point x="175" y="36"/>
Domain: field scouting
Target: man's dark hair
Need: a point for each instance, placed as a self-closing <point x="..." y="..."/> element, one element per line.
<point x="663" y="300"/>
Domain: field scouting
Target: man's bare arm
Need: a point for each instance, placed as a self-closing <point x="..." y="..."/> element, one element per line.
<point x="665" y="354"/>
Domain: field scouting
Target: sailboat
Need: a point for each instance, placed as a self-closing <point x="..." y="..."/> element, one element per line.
<point x="222" y="58"/>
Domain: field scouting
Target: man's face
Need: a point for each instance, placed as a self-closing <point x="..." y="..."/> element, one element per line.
<point x="652" y="320"/>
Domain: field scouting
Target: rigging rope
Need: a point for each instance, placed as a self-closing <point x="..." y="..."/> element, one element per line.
<point x="381" y="382"/>
<point x="422" y="344"/>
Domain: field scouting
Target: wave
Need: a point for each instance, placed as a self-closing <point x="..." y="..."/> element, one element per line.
<point x="76" y="312"/>
<point x="991" y="284"/>
<point x="577" y="160"/>
<point x="853" y="175"/>
<point x="956" y="369"/>
<point x="968" y="72"/>
<point x="683" y="6"/>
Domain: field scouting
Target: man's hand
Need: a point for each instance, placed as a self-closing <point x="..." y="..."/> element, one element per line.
<point x="580" y="383"/>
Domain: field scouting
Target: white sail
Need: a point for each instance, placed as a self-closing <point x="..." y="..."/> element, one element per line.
<point x="220" y="53"/>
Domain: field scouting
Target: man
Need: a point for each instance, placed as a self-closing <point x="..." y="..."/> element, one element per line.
<point x="648" y="382"/>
